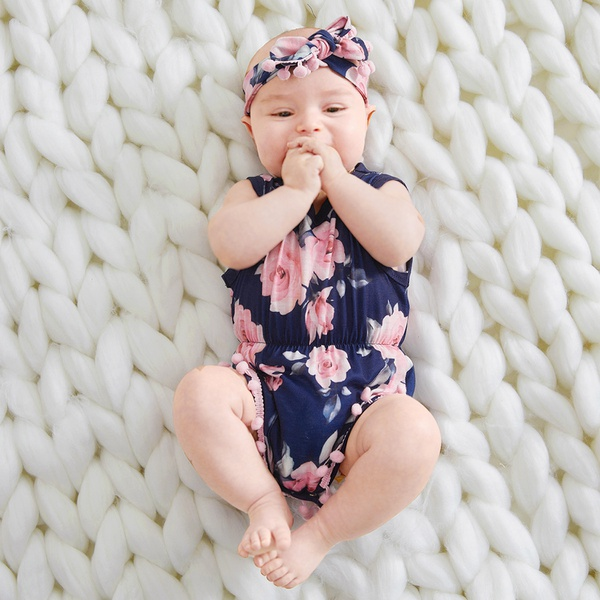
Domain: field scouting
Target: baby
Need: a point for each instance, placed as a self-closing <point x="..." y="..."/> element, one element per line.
<point x="319" y="251"/>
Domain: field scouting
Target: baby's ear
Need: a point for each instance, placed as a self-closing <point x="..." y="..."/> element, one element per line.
<point x="248" y="123"/>
<point x="370" y="110"/>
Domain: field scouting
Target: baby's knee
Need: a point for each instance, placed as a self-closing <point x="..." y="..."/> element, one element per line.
<point x="424" y="427"/>
<point x="207" y="393"/>
<point x="195" y="392"/>
<point x="429" y="434"/>
<point x="413" y="423"/>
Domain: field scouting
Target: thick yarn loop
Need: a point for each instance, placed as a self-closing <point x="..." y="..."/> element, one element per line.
<point x="120" y="135"/>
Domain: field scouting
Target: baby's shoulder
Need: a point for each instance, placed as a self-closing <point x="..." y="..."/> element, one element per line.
<point x="242" y="191"/>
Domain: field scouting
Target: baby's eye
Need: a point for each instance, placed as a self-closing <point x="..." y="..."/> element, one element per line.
<point x="283" y="113"/>
<point x="334" y="109"/>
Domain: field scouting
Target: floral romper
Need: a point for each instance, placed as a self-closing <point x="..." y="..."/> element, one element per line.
<point x="320" y="324"/>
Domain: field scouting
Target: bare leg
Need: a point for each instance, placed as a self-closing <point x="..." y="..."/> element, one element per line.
<point x="390" y="455"/>
<point x="213" y="410"/>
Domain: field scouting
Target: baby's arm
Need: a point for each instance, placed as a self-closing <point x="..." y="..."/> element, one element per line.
<point x="248" y="226"/>
<point x="383" y="220"/>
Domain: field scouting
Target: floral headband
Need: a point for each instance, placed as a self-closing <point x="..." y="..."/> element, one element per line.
<point x="336" y="47"/>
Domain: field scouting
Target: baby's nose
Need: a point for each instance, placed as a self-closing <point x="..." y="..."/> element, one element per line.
<point x="309" y="123"/>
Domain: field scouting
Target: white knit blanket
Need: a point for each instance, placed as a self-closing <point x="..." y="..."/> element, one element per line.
<point x="120" y="132"/>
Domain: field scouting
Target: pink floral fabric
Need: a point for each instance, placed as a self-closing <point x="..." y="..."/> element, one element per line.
<point x="319" y="315"/>
<point x="281" y="276"/>
<point x="320" y="323"/>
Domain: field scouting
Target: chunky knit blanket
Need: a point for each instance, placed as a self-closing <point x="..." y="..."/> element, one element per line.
<point x="119" y="134"/>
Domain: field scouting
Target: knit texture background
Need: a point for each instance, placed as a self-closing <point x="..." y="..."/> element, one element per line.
<point x="120" y="132"/>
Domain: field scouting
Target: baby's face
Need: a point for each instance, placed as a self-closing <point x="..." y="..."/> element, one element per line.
<point x="323" y="105"/>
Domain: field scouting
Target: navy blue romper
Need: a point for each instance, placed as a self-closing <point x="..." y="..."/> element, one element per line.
<point x="320" y="323"/>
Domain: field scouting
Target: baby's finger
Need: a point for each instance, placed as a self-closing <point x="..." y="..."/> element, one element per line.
<point x="317" y="162"/>
<point x="299" y="141"/>
<point x="306" y="144"/>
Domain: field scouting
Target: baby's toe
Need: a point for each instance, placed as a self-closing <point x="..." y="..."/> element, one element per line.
<point x="271" y="566"/>
<point x="279" y="575"/>
<point x="249" y="544"/>
<point x="242" y="550"/>
<point x="263" y="559"/>
<point x="288" y="581"/>
<point x="262" y="539"/>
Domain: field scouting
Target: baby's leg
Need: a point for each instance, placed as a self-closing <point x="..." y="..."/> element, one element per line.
<point x="212" y="411"/>
<point x="390" y="455"/>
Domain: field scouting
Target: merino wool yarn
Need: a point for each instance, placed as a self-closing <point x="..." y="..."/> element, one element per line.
<point x="120" y="133"/>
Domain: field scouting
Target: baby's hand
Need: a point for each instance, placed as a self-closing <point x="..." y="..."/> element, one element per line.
<point x="332" y="162"/>
<point x="301" y="170"/>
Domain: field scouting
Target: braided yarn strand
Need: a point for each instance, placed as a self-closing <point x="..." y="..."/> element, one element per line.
<point x="119" y="138"/>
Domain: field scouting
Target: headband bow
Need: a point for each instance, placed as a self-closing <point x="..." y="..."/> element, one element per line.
<point x="336" y="47"/>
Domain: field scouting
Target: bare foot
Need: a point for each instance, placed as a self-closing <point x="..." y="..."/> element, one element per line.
<point x="288" y="568"/>
<point x="269" y="529"/>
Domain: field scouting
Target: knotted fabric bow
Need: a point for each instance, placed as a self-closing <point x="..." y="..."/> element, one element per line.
<point x="336" y="47"/>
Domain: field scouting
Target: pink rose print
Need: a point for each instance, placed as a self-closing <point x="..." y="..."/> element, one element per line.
<point x="350" y="50"/>
<point x="402" y="364"/>
<point x="389" y="332"/>
<point x="244" y="328"/>
<point x="319" y="315"/>
<point x="273" y="379"/>
<point x="281" y="276"/>
<point x="306" y="476"/>
<point x="327" y="365"/>
<point x="322" y="49"/>
<point x="359" y="77"/>
<point x="324" y="249"/>
<point x="248" y="333"/>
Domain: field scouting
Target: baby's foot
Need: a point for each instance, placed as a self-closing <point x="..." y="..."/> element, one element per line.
<point x="269" y="529"/>
<point x="288" y="568"/>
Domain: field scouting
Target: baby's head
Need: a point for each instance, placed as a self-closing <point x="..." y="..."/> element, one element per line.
<point x="299" y="52"/>
<point x="309" y="82"/>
